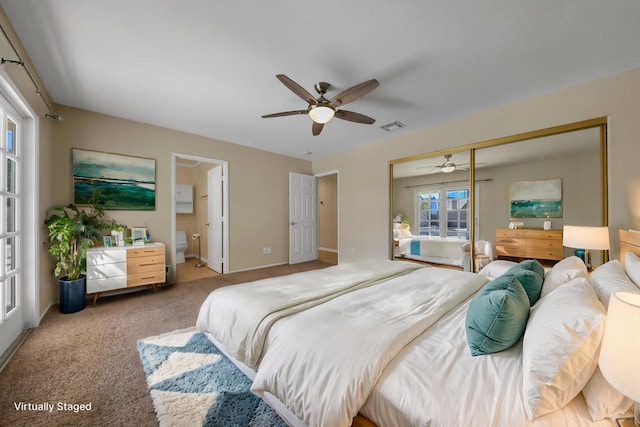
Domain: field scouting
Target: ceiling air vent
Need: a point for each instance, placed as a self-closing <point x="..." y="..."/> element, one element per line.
<point x="389" y="127"/>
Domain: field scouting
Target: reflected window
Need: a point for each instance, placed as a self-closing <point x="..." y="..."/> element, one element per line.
<point x="443" y="211"/>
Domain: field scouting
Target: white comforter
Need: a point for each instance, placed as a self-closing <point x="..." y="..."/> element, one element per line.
<point x="436" y="382"/>
<point x="324" y="371"/>
<point x="240" y="316"/>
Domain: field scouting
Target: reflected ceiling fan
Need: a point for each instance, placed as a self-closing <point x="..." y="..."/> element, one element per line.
<point x="320" y="109"/>
<point x="448" y="166"/>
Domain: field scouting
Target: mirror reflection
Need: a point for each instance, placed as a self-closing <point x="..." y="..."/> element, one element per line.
<point x="524" y="193"/>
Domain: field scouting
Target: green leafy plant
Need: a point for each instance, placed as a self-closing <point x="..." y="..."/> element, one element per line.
<point x="72" y="230"/>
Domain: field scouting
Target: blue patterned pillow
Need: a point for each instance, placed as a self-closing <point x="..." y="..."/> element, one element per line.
<point x="497" y="316"/>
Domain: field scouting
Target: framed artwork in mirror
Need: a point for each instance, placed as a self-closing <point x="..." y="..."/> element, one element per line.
<point x="536" y="199"/>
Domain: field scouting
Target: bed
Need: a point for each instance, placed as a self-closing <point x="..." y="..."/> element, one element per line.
<point x="406" y="359"/>
<point x="437" y="250"/>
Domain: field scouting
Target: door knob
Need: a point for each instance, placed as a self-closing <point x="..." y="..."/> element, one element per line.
<point x="293" y="223"/>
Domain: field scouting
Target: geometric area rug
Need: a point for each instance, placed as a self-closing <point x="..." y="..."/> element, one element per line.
<point x="193" y="384"/>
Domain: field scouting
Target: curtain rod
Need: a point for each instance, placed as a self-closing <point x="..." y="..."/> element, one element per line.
<point x="446" y="182"/>
<point x="20" y="61"/>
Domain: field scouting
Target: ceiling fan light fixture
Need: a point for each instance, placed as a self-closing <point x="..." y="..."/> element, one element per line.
<point x="448" y="168"/>
<point x="321" y="113"/>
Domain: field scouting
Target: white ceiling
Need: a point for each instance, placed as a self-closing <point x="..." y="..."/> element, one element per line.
<point x="208" y="67"/>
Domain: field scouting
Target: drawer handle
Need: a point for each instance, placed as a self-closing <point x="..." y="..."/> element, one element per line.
<point x="144" y="265"/>
<point x="150" y="277"/>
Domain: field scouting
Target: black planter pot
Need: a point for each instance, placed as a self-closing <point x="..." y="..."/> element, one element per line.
<point x="72" y="294"/>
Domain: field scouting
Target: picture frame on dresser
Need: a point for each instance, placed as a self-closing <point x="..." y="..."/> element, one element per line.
<point x="106" y="241"/>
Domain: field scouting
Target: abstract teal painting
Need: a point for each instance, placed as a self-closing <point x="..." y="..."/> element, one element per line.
<point x="536" y="199"/>
<point x="124" y="182"/>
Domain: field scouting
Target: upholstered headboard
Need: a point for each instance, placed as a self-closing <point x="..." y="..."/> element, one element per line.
<point x="629" y="242"/>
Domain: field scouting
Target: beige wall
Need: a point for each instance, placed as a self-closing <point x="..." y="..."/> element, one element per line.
<point x="364" y="172"/>
<point x="258" y="181"/>
<point x="328" y="211"/>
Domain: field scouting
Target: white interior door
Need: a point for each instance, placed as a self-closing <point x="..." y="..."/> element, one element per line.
<point x="215" y="219"/>
<point x="303" y="232"/>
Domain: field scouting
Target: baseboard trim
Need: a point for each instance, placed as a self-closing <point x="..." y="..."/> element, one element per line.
<point x="13" y="348"/>
<point x="334" y="251"/>
<point x="259" y="267"/>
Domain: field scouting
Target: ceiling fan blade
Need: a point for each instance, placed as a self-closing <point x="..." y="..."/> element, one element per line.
<point x="354" y="117"/>
<point x="317" y="128"/>
<point x="284" y="113"/>
<point x="354" y="93"/>
<point x="297" y="89"/>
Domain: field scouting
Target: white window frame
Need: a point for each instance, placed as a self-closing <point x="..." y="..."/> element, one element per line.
<point x="27" y="214"/>
<point x="443" y="188"/>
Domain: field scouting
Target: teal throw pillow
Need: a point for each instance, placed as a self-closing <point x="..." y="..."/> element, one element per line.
<point x="497" y="316"/>
<point x="530" y="281"/>
<point x="533" y="265"/>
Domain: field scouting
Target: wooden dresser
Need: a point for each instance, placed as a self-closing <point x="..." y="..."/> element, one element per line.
<point x="529" y="243"/>
<point x="124" y="267"/>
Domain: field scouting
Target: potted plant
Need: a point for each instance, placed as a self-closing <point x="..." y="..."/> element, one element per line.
<point x="72" y="230"/>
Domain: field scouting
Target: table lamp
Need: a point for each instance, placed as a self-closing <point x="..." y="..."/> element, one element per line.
<point x="587" y="238"/>
<point x="620" y="353"/>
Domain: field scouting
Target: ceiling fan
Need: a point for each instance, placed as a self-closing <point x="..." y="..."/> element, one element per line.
<point x="320" y="109"/>
<point x="448" y="165"/>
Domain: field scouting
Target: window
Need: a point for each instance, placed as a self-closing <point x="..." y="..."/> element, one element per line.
<point x="9" y="206"/>
<point x="443" y="210"/>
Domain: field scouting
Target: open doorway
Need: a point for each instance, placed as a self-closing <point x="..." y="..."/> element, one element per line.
<point x="201" y="236"/>
<point x="328" y="217"/>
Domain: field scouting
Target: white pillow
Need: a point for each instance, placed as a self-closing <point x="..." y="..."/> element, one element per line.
<point x="604" y="401"/>
<point x="567" y="269"/>
<point x="610" y="278"/>
<point x="560" y="347"/>
<point x="405" y="233"/>
<point x="496" y="268"/>
<point x="632" y="267"/>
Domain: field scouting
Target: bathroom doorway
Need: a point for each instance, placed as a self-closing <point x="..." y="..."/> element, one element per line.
<point x="328" y="217"/>
<point x="198" y="221"/>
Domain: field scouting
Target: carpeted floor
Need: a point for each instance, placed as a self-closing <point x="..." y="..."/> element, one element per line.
<point x="90" y="357"/>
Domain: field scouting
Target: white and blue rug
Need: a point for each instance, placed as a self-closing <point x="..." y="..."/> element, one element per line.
<point x="193" y="384"/>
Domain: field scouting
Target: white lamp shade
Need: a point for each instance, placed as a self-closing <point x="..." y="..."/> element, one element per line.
<point x="585" y="237"/>
<point x="620" y="354"/>
<point x="321" y="113"/>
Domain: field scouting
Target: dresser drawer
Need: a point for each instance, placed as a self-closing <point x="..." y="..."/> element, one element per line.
<point x="106" y="284"/>
<point x="144" y="260"/>
<point x="106" y="270"/>
<point x="551" y="253"/>
<point x="544" y="234"/>
<point x="511" y="251"/>
<point x="145" y="278"/>
<point x="142" y="264"/>
<point x="543" y="244"/>
<point x="99" y="257"/>
<point x="510" y="241"/>
<point x="145" y="251"/>
<point x="507" y="232"/>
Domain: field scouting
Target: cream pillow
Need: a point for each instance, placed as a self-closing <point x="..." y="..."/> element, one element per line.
<point x="567" y="269"/>
<point x="610" y="278"/>
<point x="632" y="267"/>
<point x="496" y="268"/>
<point x="560" y="347"/>
<point x="604" y="401"/>
<point x="405" y="233"/>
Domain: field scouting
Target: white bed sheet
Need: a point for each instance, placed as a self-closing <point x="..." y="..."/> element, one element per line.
<point x="240" y="316"/>
<point x="438" y="250"/>
<point x="436" y="382"/>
